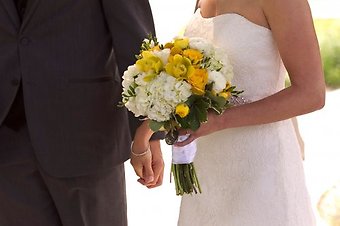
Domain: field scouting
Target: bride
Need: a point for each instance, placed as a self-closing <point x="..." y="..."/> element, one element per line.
<point x="248" y="159"/>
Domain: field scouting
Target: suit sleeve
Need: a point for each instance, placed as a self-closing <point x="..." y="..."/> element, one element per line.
<point x="129" y="22"/>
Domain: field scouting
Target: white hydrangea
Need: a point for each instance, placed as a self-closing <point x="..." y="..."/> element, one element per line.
<point x="140" y="79"/>
<point x="158" y="98"/>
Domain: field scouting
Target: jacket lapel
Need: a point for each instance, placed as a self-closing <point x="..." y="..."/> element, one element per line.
<point x="30" y="10"/>
<point x="12" y="12"/>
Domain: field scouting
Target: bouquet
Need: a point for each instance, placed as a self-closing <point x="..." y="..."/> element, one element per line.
<point x="174" y="86"/>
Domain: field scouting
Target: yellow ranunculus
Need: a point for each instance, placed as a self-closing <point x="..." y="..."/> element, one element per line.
<point x="194" y="55"/>
<point x="224" y="94"/>
<point x="182" y="110"/>
<point x="181" y="43"/>
<point x="149" y="62"/>
<point x="198" y="78"/>
<point x="178" y="66"/>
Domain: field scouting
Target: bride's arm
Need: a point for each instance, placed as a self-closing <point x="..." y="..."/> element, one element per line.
<point x="293" y="31"/>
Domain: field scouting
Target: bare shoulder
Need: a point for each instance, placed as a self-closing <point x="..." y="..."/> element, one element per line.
<point x="290" y="11"/>
<point x="207" y="8"/>
<point x="292" y="26"/>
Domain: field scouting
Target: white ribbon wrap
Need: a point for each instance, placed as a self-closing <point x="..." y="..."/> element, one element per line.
<point x="186" y="154"/>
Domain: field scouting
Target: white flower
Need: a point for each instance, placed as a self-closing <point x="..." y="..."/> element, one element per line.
<point x="150" y="41"/>
<point x="167" y="93"/>
<point x="218" y="79"/>
<point x="163" y="55"/>
<point x="227" y="69"/>
<point x="201" y="44"/>
<point x="128" y="76"/>
<point x="140" y="79"/>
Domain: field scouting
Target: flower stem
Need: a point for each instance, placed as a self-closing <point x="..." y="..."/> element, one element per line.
<point x="186" y="181"/>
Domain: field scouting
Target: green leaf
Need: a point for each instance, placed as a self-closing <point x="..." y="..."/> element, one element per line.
<point x="202" y="113"/>
<point x="155" y="126"/>
<point x="183" y="122"/>
<point x="217" y="101"/>
<point x="193" y="119"/>
<point x="191" y="100"/>
<point x="209" y="86"/>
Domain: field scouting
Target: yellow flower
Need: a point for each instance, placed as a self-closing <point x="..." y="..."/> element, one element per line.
<point x="181" y="43"/>
<point x="198" y="78"/>
<point x="175" y="50"/>
<point x="182" y="110"/>
<point x="228" y="85"/>
<point x="155" y="48"/>
<point x="168" y="45"/>
<point x="150" y="77"/>
<point x="224" y="94"/>
<point x="149" y="62"/>
<point x="179" y="66"/>
<point x="194" y="55"/>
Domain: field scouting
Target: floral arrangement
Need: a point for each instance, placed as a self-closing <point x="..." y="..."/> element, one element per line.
<point x="174" y="85"/>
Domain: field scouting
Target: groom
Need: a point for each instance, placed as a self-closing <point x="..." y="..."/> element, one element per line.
<point x="63" y="140"/>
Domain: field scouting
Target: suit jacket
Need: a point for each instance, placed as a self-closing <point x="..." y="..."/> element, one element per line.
<point x="69" y="56"/>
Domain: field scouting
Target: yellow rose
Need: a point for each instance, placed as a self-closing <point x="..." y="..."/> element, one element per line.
<point x="194" y="55"/>
<point x="178" y="66"/>
<point x="198" y="78"/>
<point x="149" y="62"/>
<point x="181" y="43"/>
<point x="182" y="110"/>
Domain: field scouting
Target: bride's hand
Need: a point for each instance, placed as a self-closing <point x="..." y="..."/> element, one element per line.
<point x="146" y="157"/>
<point x="211" y="126"/>
<point x="141" y="156"/>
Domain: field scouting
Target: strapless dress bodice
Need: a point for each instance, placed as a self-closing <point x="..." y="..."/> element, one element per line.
<point x="257" y="65"/>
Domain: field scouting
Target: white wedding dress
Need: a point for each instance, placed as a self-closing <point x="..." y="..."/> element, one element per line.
<point x="250" y="176"/>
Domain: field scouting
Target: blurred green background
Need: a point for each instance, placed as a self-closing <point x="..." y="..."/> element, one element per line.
<point x="328" y="32"/>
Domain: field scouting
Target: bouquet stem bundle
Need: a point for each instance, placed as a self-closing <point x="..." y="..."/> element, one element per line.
<point x="185" y="178"/>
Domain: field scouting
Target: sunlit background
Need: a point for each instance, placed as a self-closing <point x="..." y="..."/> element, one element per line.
<point x="320" y="130"/>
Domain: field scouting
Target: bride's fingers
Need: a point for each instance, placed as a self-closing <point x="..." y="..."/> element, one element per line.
<point x="190" y="139"/>
<point x="184" y="131"/>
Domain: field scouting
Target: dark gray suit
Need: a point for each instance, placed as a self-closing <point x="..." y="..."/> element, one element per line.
<point x="69" y="56"/>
